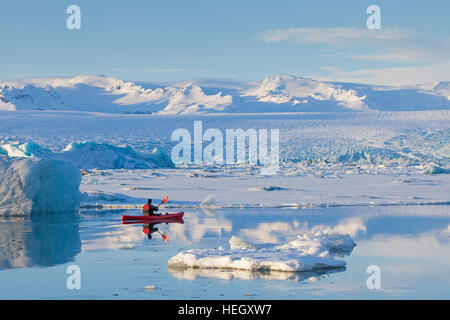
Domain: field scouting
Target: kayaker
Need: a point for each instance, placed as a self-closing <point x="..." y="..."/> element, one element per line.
<point x="149" y="209"/>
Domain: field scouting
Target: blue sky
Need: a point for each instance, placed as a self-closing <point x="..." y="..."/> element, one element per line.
<point x="146" y="40"/>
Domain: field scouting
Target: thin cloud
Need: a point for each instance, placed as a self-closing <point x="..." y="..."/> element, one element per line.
<point x="156" y="70"/>
<point x="408" y="57"/>
<point x="341" y="35"/>
<point x="168" y="70"/>
<point x="391" y="44"/>
<point x="398" y="56"/>
<point x="405" y="75"/>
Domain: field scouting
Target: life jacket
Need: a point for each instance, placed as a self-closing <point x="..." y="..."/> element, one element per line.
<point x="146" y="207"/>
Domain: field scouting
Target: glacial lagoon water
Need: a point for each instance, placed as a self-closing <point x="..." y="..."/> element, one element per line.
<point x="409" y="244"/>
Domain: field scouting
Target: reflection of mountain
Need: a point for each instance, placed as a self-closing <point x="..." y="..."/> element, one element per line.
<point x="41" y="241"/>
<point x="230" y="274"/>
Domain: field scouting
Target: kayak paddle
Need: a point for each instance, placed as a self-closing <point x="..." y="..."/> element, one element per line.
<point x="164" y="237"/>
<point x="164" y="201"/>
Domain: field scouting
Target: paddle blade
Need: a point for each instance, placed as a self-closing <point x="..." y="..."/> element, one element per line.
<point x="165" y="200"/>
<point x="165" y="238"/>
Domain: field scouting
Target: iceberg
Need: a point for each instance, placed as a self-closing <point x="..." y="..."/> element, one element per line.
<point x="92" y="155"/>
<point x="434" y="168"/>
<point x="39" y="186"/>
<point x="25" y="150"/>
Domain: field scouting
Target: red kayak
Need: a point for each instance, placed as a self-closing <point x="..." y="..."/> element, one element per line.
<point x="156" y="218"/>
<point x="173" y="220"/>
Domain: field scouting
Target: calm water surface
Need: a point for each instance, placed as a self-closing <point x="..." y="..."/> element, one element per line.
<point x="410" y="244"/>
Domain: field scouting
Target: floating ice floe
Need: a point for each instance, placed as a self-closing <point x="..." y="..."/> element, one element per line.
<point x="209" y="202"/>
<point x="267" y="188"/>
<point x="38" y="186"/>
<point x="306" y="253"/>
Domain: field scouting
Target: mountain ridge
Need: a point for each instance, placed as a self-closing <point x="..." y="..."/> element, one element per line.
<point x="276" y="93"/>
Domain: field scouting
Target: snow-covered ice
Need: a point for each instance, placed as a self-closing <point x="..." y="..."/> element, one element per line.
<point x="240" y="188"/>
<point x="306" y="253"/>
<point x="327" y="159"/>
<point x="38" y="186"/>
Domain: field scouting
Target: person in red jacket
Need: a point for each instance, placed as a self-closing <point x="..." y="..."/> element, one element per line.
<point x="149" y="209"/>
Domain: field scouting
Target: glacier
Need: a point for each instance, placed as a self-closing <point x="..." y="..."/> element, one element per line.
<point x="39" y="186"/>
<point x="276" y="93"/>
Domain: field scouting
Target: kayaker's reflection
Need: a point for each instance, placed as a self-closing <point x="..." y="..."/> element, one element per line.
<point x="149" y="228"/>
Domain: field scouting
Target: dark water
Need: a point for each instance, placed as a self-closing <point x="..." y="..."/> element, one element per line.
<point x="409" y="244"/>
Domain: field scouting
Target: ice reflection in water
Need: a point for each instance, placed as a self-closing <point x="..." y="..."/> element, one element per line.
<point x="41" y="240"/>
<point x="230" y="274"/>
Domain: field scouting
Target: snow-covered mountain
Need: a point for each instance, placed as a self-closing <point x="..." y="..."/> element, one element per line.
<point x="276" y="93"/>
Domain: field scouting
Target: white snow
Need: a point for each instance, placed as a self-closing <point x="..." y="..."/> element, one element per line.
<point x="106" y="94"/>
<point x="295" y="90"/>
<point x="276" y="93"/>
<point x="306" y="253"/>
<point x="38" y="186"/>
<point x="310" y="187"/>
<point x="238" y="243"/>
<point x="192" y="99"/>
<point x="443" y="88"/>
